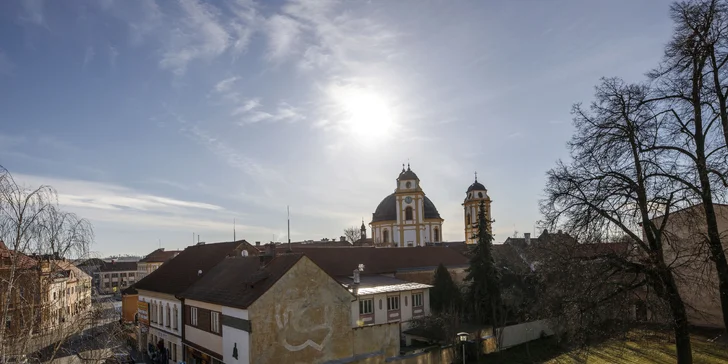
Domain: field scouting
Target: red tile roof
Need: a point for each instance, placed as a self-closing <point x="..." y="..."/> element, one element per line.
<point x="341" y="261"/>
<point x="23" y="261"/>
<point x="175" y="276"/>
<point x="240" y="281"/>
<point x="160" y="255"/>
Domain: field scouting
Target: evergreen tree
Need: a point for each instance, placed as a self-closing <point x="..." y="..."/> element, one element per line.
<point x="445" y="295"/>
<point x="483" y="280"/>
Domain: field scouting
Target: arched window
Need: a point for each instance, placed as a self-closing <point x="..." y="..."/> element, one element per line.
<point x="437" y="235"/>
<point x="385" y="236"/>
<point x="408" y="213"/>
<point x="467" y="218"/>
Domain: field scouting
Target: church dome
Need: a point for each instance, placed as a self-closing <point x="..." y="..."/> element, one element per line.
<point x="387" y="209"/>
<point x="408" y="174"/>
<point x="476" y="186"/>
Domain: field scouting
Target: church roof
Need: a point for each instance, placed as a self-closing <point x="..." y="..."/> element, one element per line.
<point x="408" y="174"/>
<point x="476" y="186"/>
<point x="387" y="210"/>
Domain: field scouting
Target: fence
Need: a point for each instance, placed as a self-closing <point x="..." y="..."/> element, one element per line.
<point x="522" y="333"/>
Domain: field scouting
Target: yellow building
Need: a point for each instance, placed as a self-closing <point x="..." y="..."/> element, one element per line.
<point x="471" y="206"/>
<point x="406" y="217"/>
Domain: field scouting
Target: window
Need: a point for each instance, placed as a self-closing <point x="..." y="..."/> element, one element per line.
<point x="114" y="275"/>
<point x="54" y="295"/>
<point x="417" y="300"/>
<point x="437" y="235"/>
<point x="480" y="194"/>
<point x="168" y="315"/>
<point x="405" y="301"/>
<point x="152" y="311"/>
<point x="174" y="349"/>
<point x="106" y="285"/>
<point x="408" y="213"/>
<point x="365" y="307"/>
<point x="215" y="322"/>
<point x="161" y="313"/>
<point x="380" y="303"/>
<point x="385" y="236"/>
<point x="193" y="316"/>
<point x="176" y="316"/>
<point x="392" y="303"/>
<point x="123" y="274"/>
<point x="131" y="275"/>
<point x="467" y="219"/>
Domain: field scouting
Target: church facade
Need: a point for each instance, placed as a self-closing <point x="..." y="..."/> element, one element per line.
<point x="408" y="218"/>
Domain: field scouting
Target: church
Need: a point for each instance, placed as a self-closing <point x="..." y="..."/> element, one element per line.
<point x="408" y="218"/>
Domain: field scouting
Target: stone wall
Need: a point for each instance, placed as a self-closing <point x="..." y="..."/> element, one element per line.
<point x="303" y="318"/>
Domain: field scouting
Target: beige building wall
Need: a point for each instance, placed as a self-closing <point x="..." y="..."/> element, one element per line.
<point x="687" y="252"/>
<point x="303" y="318"/>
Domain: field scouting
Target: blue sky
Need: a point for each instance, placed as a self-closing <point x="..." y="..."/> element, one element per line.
<point x="155" y="120"/>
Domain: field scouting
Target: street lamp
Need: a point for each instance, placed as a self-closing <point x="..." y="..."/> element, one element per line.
<point x="463" y="337"/>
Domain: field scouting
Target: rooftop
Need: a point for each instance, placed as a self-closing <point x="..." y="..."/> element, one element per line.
<point x="375" y="284"/>
<point x="341" y="261"/>
<point x="240" y="281"/>
<point x="160" y="256"/>
<point x="175" y="276"/>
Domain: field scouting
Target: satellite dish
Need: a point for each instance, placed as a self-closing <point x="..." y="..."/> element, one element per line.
<point x="244" y="253"/>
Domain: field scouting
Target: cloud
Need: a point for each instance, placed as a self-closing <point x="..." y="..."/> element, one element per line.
<point x="200" y="35"/>
<point x="248" y="105"/>
<point x="226" y="84"/>
<point x="283" y="36"/>
<point x="6" y="66"/>
<point x="283" y="112"/>
<point x="88" y="55"/>
<point x="113" y="54"/>
<point x="33" y="12"/>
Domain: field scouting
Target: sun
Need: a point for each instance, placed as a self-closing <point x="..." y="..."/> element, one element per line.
<point x="365" y="114"/>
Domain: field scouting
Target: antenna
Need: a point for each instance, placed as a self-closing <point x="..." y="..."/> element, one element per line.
<point x="288" y="210"/>
<point x="193" y="238"/>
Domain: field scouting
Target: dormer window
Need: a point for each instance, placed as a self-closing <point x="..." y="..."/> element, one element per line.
<point x="408" y="184"/>
<point x="480" y="194"/>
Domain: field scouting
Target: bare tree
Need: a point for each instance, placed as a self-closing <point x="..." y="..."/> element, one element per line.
<point x="616" y="185"/>
<point x="45" y="301"/>
<point x="689" y="89"/>
<point x="352" y="234"/>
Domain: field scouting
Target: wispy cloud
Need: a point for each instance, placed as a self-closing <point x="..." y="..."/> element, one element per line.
<point x="226" y="84"/>
<point x="88" y="56"/>
<point x="284" y="112"/>
<point x="247" y="106"/>
<point x="6" y="66"/>
<point x="113" y="54"/>
<point x="33" y="12"/>
<point x="283" y="36"/>
<point x="199" y="36"/>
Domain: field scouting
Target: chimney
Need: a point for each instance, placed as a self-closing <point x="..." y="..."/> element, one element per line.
<point x="342" y="238"/>
<point x="257" y="243"/>
<point x="527" y="237"/>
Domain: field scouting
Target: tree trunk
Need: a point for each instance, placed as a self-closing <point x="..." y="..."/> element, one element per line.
<point x="718" y="256"/>
<point x="682" y="331"/>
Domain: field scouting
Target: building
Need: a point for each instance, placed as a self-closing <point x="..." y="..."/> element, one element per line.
<point x="114" y="276"/>
<point x="44" y="297"/>
<point x="474" y="196"/>
<point x="154" y="260"/>
<point x="696" y="276"/>
<point x="407" y="218"/>
<point x="160" y="308"/>
<point x="237" y="314"/>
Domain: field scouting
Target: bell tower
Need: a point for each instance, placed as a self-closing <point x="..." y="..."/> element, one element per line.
<point x="473" y="196"/>
<point x="363" y="230"/>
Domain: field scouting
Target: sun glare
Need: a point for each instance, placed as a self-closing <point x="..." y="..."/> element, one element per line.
<point x="365" y="114"/>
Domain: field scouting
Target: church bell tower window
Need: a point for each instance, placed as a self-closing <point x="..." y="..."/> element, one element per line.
<point x="385" y="236"/>
<point x="408" y="213"/>
<point x="437" y="235"/>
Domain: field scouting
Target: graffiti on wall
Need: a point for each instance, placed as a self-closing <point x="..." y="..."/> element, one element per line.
<point x="297" y="318"/>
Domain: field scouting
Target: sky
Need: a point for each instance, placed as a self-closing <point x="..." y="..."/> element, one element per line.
<point x="160" y="121"/>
